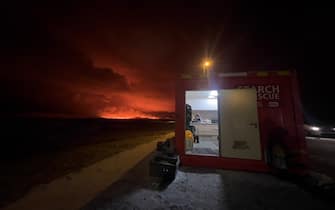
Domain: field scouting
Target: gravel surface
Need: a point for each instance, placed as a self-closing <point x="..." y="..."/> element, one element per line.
<point x="204" y="189"/>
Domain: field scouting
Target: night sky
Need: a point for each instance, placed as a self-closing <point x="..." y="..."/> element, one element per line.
<point x="100" y="59"/>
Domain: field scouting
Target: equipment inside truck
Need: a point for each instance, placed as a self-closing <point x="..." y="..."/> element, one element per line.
<point x="223" y="123"/>
<point x="203" y="122"/>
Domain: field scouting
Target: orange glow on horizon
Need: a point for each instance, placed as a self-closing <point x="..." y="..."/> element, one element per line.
<point x="141" y="100"/>
<point x="150" y="104"/>
<point x="123" y="114"/>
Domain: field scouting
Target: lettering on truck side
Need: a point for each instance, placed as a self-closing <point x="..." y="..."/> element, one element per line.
<point x="267" y="95"/>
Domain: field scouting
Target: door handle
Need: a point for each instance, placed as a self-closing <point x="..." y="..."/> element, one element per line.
<point x="253" y="124"/>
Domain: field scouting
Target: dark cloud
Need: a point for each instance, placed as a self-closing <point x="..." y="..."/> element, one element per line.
<point x="22" y="97"/>
<point x="50" y="76"/>
<point x="100" y="58"/>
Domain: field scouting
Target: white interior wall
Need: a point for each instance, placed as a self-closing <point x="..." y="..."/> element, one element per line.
<point x="202" y="103"/>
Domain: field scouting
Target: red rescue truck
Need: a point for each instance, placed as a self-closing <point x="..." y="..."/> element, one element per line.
<point x="244" y="121"/>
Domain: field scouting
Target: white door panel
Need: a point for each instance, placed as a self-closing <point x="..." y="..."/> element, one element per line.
<point x="239" y="130"/>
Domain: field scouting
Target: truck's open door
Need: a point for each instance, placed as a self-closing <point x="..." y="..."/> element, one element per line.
<point x="239" y="128"/>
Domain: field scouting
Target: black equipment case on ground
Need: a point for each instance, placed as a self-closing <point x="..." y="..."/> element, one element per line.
<point x="165" y="162"/>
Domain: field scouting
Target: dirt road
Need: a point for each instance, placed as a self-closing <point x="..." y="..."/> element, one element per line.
<point x="75" y="189"/>
<point x="204" y="189"/>
<point x="43" y="150"/>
